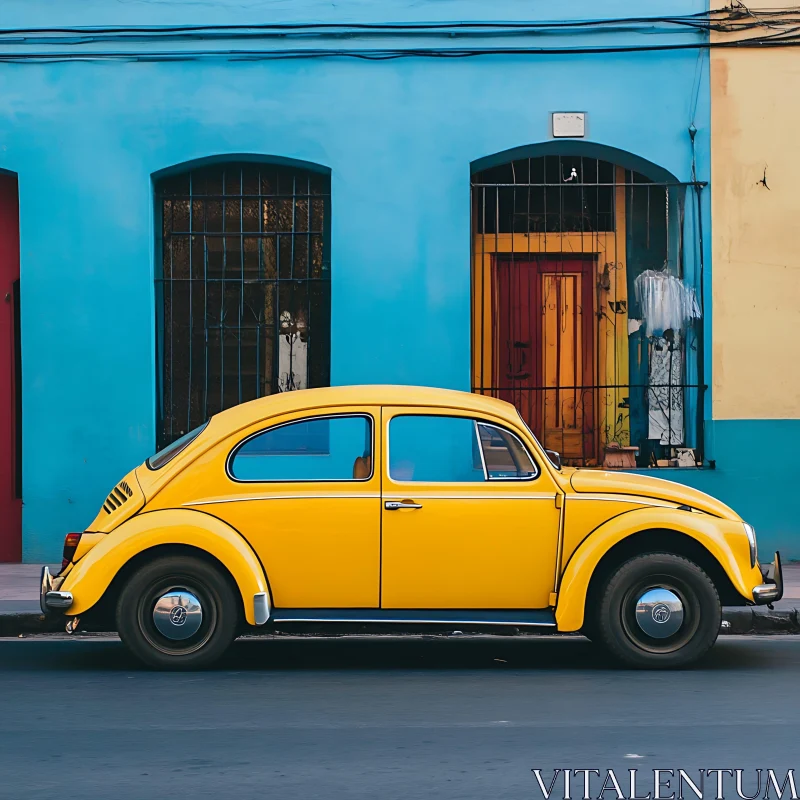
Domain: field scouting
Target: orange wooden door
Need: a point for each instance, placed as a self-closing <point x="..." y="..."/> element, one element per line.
<point x="543" y="311"/>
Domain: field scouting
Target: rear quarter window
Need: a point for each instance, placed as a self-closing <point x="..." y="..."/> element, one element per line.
<point x="163" y="457"/>
<point x="336" y="448"/>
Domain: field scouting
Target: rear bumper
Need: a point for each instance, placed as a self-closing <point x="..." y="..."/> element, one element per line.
<point x="772" y="589"/>
<point x="49" y="599"/>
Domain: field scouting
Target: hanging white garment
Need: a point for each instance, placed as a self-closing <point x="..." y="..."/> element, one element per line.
<point x="292" y="362"/>
<point x="666" y="302"/>
<point x="665" y="395"/>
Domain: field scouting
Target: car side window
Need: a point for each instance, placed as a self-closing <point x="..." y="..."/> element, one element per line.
<point x="504" y="455"/>
<point x="334" y="448"/>
<point x="434" y="449"/>
<point x="441" y="449"/>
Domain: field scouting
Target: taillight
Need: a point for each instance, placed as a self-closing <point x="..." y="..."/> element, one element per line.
<point x="71" y="542"/>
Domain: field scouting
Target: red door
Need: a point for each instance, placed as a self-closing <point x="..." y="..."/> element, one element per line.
<point x="544" y="348"/>
<point x="10" y="407"/>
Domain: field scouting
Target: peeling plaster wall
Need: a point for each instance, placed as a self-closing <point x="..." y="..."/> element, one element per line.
<point x="756" y="241"/>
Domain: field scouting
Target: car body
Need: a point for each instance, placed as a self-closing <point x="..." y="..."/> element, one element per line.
<point x="400" y="507"/>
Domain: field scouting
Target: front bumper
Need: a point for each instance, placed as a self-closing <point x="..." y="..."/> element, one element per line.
<point x="49" y="599"/>
<point x="772" y="589"/>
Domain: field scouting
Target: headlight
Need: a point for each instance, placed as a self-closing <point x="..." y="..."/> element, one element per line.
<point x="751" y="537"/>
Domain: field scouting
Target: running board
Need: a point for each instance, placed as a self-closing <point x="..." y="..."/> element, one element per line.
<point x="511" y="618"/>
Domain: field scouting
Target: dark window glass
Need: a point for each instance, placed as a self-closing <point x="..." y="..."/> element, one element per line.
<point x="243" y="293"/>
<point x="163" y="457"/>
<point x="552" y="194"/>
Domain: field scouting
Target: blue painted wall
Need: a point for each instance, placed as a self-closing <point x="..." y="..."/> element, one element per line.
<point x="399" y="137"/>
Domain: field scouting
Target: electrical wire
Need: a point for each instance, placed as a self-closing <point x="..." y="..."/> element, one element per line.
<point x="785" y="24"/>
<point x="386" y="54"/>
<point x="737" y="17"/>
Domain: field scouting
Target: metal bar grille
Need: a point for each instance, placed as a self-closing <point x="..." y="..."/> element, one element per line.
<point x="559" y="245"/>
<point x="243" y="293"/>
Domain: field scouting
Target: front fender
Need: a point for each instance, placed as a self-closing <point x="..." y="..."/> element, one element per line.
<point x="93" y="574"/>
<point x="724" y="539"/>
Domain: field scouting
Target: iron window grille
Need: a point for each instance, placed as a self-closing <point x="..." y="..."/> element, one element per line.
<point x="242" y="290"/>
<point x="558" y="245"/>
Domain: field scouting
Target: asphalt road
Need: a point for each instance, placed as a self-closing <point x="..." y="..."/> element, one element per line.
<point x="381" y="719"/>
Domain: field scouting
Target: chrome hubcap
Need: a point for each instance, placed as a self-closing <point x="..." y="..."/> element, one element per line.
<point x="178" y="615"/>
<point x="659" y="613"/>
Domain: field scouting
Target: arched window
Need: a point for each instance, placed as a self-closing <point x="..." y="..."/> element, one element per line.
<point x="242" y="290"/>
<point x="587" y="305"/>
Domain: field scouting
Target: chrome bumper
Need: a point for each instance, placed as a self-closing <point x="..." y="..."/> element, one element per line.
<point x="772" y="589"/>
<point x="49" y="599"/>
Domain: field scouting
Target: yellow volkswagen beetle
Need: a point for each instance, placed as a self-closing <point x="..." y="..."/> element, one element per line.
<point x="403" y="508"/>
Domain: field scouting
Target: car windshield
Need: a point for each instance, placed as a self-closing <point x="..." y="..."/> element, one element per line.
<point x="163" y="457"/>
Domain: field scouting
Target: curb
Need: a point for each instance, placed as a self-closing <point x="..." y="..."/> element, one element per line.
<point x="760" y="620"/>
<point x="748" y="621"/>
<point x="26" y="623"/>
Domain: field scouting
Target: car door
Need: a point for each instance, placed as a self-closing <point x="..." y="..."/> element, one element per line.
<point x="469" y="519"/>
<point x="304" y="492"/>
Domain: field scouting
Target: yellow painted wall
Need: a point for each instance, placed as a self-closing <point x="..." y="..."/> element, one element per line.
<point x="755" y="119"/>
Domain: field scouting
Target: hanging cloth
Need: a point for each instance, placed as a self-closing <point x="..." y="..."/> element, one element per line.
<point x="665" y="393"/>
<point x="666" y="302"/>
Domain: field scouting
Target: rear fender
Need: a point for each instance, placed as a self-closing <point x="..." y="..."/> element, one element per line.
<point x="93" y="574"/>
<point x="724" y="540"/>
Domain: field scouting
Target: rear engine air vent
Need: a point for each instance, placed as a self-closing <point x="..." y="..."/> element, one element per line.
<point x="119" y="495"/>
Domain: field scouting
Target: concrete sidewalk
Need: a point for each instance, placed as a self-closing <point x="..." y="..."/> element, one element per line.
<point x="20" y="613"/>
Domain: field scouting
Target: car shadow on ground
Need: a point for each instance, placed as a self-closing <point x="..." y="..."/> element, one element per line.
<point x="353" y="653"/>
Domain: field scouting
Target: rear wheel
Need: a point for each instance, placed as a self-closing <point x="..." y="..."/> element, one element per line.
<point x="177" y="612"/>
<point x="657" y="610"/>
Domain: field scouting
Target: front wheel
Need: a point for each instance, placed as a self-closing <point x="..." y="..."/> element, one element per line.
<point x="177" y="612"/>
<point x="658" y="610"/>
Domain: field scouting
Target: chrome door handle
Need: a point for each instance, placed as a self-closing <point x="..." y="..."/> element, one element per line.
<point x="396" y="505"/>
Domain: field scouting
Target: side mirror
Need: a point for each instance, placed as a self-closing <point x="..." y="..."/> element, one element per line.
<point x="554" y="457"/>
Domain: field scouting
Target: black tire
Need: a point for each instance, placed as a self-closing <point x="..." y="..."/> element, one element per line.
<point x="220" y="613"/>
<point x="615" y="626"/>
<point x="589" y="629"/>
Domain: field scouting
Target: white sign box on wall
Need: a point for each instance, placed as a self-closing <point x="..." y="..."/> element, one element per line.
<point x="569" y="124"/>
